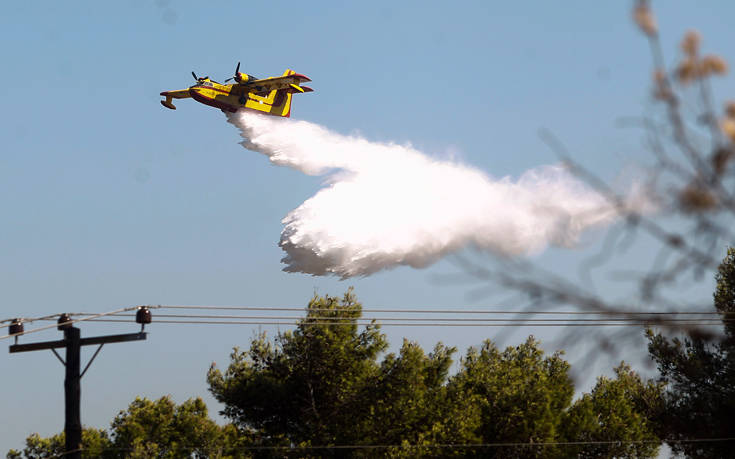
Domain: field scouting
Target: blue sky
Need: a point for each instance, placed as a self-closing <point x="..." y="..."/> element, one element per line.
<point x="109" y="200"/>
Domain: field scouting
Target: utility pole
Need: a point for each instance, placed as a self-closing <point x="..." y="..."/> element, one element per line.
<point x="73" y="343"/>
<point x="72" y="393"/>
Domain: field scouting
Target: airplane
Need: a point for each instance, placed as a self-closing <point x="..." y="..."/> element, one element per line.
<point x="268" y="95"/>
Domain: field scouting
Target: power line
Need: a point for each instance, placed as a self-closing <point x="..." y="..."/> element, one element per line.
<point x="597" y="319"/>
<point x="405" y="311"/>
<point x="449" y="445"/>
<point x="415" y="319"/>
<point x="442" y="311"/>
<point x="489" y="445"/>
<point x="351" y="322"/>
<point x="225" y="319"/>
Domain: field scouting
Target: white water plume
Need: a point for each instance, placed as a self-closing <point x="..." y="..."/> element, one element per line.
<point x="385" y="205"/>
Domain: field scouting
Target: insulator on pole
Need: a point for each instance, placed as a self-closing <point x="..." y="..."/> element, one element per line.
<point x="143" y="316"/>
<point x="16" y="327"/>
<point x="63" y="322"/>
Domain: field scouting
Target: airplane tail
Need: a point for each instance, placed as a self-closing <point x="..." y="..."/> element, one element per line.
<point x="282" y="100"/>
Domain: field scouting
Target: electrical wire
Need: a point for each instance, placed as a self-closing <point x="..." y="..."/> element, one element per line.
<point x="350" y="322"/>
<point x="422" y="321"/>
<point x="404" y="311"/>
<point x="488" y="445"/>
<point x="260" y="319"/>
<point x="404" y="446"/>
<point x="414" y="319"/>
<point x="441" y="311"/>
<point x="476" y="319"/>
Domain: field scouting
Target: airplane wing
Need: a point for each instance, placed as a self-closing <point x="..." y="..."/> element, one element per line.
<point x="289" y="80"/>
<point x="177" y="94"/>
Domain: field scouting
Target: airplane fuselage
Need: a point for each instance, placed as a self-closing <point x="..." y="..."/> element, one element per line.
<point x="231" y="98"/>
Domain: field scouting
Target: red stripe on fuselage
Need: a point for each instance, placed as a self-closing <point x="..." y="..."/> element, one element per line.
<point x="196" y="95"/>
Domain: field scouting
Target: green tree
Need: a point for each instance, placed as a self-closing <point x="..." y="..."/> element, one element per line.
<point x="618" y="413"/>
<point x="322" y="385"/>
<point x="700" y="369"/>
<point x="96" y="444"/>
<point x="308" y="386"/>
<point x="411" y="404"/>
<point x="521" y="394"/>
<point x="150" y="429"/>
<point x="163" y="429"/>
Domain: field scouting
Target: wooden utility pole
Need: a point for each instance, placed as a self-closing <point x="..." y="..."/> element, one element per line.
<point x="72" y="394"/>
<point x="73" y="343"/>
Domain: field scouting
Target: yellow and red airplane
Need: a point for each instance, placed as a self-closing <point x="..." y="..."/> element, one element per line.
<point x="269" y="95"/>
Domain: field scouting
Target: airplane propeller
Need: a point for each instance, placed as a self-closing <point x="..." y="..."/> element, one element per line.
<point x="197" y="78"/>
<point x="237" y="71"/>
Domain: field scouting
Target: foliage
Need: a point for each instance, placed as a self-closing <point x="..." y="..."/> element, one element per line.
<point x="308" y="386"/>
<point x="701" y="371"/>
<point x="163" y="429"/>
<point x="617" y="413"/>
<point x="410" y="404"/>
<point x="149" y="429"/>
<point x="95" y="442"/>
<point x="521" y="395"/>
<point x="322" y="385"/>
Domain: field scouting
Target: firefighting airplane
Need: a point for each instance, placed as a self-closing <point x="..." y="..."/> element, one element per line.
<point x="269" y="95"/>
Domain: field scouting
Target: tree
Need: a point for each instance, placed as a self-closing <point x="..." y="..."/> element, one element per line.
<point x="618" y="413"/>
<point x="163" y="429"/>
<point x="305" y="388"/>
<point x="322" y="386"/>
<point x="96" y="443"/>
<point x="149" y="429"/>
<point x="521" y="395"/>
<point x="700" y="401"/>
<point x="410" y="404"/>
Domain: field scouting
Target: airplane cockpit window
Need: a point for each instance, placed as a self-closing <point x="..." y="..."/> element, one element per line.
<point x="251" y="77"/>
